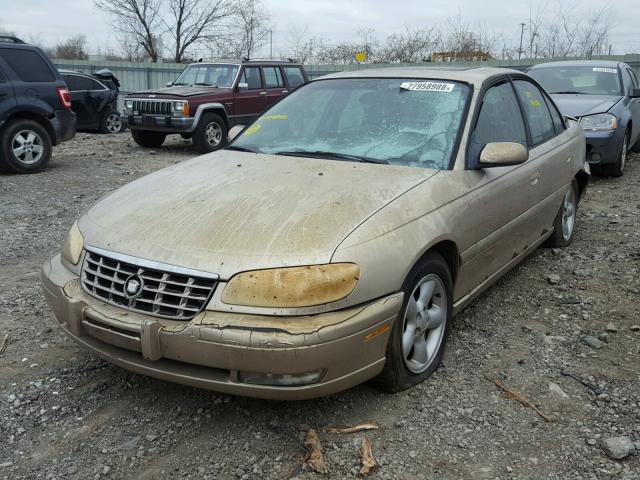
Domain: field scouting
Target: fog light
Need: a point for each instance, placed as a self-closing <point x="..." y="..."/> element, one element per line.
<point x="596" y="157"/>
<point x="281" y="379"/>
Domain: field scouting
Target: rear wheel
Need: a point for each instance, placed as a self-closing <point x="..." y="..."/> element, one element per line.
<point x="210" y="134"/>
<point x="111" y="123"/>
<point x="418" y="337"/>
<point x="148" y="139"/>
<point x="565" y="223"/>
<point x="25" y="147"/>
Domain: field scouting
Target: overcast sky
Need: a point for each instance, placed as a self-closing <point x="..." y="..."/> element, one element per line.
<point x="335" y="20"/>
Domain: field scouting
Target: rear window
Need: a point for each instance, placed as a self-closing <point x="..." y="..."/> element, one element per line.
<point x="28" y="65"/>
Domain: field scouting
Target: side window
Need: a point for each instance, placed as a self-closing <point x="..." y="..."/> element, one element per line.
<point x="251" y="76"/>
<point x="556" y="116"/>
<point x="536" y="111"/>
<point x="500" y="119"/>
<point x="95" y="85"/>
<point x="28" y="65"/>
<point x="273" y="77"/>
<point x="294" y="76"/>
<point x="627" y="81"/>
<point x="73" y="82"/>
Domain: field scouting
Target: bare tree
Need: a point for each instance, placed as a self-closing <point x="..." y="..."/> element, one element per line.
<point x="73" y="48"/>
<point x="6" y="33"/>
<point x="140" y="19"/>
<point x="191" y="21"/>
<point x="246" y="31"/>
<point x="413" y="45"/>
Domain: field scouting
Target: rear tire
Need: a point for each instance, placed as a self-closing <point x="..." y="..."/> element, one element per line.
<point x="210" y="134"/>
<point x="564" y="225"/>
<point x="111" y="122"/>
<point x="25" y="147"/>
<point x="419" y="335"/>
<point x="148" y="139"/>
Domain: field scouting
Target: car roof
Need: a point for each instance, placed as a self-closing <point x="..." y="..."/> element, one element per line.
<point x="579" y="63"/>
<point x="227" y="61"/>
<point x="473" y="75"/>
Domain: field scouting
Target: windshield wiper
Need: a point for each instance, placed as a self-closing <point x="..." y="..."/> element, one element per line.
<point x="204" y="84"/>
<point x="569" y="92"/>
<point x="240" y="149"/>
<point x="333" y="155"/>
<point x="177" y="84"/>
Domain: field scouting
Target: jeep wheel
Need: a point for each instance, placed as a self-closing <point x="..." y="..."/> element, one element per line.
<point x="211" y="133"/>
<point x="25" y="147"/>
<point x="148" y="139"/>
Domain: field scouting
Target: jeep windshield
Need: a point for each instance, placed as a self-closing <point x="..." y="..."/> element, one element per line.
<point x="208" y="75"/>
<point x="581" y="80"/>
<point x="378" y="120"/>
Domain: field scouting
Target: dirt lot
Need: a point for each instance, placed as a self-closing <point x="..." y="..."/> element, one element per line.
<point x="67" y="415"/>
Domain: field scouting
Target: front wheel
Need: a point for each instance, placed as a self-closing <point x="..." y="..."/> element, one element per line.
<point x="25" y="147"/>
<point x="418" y="337"/>
<point x="148" y="139"/>
<point x="210" y="134"/>
<point x="565" y="222"/>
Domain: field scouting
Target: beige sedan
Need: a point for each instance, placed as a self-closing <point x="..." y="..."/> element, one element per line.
<point x="332" y="242"/>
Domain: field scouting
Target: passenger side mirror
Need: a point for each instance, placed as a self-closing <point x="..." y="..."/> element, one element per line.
<point x="169" y="84"/>
<point x="243" y="86"/>
<point x="235" y="131"/>
<point x="503" y="154"/>
<point x="635" y="93"/>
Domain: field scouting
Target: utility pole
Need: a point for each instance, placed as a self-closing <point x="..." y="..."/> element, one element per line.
<point x="521" y="36"/>
<point x="609" y="49"/>
<point x="271" y="44"/>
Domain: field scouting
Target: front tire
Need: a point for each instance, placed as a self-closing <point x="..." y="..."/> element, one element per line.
<point x="418" y="337"/>
<point x="210" y="134"/>
<point x="148" y="139"/>
<point x="25" y="147"/>
<point x="616" y="169"/>
<point x="564" y="225"/>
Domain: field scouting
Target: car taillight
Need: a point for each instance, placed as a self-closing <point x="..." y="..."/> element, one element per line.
<point x="64" y="96"/>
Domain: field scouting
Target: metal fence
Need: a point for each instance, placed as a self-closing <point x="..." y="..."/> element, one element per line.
<point x="136" y="76"/>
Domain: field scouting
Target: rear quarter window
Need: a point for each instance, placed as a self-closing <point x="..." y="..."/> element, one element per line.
<point x="28" y="65"/>
<point x="294" y="76"/>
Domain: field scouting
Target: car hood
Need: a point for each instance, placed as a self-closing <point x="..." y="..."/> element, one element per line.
<point x="227" y="211"/>
<point x="580" y="105"/>
<point x="186" y="91"/>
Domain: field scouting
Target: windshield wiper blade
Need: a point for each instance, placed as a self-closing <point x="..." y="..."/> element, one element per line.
<point x="177" y="84"/>
<point x="568" y="92"/>
<point x="205" y="84"/>
<point x="240" y="149"/>
<point x="334" y="155"/>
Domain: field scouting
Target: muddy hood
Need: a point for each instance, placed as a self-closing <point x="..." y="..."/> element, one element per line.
<point x="230" y="211"/>
<point x="186" y="91"/>
<point x="581" y="105"/>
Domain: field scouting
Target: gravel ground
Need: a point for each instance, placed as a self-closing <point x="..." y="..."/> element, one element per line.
<point x="65" y="414"/>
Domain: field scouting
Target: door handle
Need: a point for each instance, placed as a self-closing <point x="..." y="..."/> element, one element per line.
<point x="285" y="91"/>
<point x="263" y="93"/>
<point x="535" y="178"/>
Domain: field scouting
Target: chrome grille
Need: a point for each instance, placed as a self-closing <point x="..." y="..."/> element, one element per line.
<point x="165" y="294"/>
<point x="152" y="107"/>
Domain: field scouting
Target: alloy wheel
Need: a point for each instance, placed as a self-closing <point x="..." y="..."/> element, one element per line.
<point x="27" y="147"/>
<point x="113" y="123"/>
<point x="568" y="214"/>
<point x="213" y="134"/>
<point x="424" y="323"/>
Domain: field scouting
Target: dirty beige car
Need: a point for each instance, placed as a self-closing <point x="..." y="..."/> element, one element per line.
<point x="332" y="242"/>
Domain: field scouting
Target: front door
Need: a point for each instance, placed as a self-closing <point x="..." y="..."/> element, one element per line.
<point x="250" y="97"/>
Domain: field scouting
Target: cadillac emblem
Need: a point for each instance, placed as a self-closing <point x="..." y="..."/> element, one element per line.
<point x="133" y="287"/>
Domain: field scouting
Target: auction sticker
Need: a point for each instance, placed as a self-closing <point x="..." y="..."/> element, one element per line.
<point x="427" y="86"/>
<point x="605" y="70"/>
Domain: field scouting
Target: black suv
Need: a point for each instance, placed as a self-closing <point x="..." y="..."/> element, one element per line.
<point x="35" y="108"/>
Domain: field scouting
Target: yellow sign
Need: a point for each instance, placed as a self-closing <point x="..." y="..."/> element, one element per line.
<point x="361" y="57"/>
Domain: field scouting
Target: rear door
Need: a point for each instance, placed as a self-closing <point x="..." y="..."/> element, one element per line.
<point x="77" y="88"/>
<point x="252" y="100"/>
<point x="274" y="84"/>
<point x="7" y="97"/>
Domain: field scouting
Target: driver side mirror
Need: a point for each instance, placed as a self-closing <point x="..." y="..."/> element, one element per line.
<point x="235" y="131"/>
<point x="503" y="154"/>
<point x="635" y="93"/>
<point x="243" y="86"/>
<point x="169" y="84"/>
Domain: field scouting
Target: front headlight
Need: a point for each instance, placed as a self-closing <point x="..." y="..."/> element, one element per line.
<point x="128" y="104"/>
<point x="292" y="287"/>
<point x="181" y="109"/>
<point x="601" y="121"/>
<point x="72" y="246"/>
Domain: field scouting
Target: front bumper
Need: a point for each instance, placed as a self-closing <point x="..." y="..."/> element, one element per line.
<point x="214" y="347"/>
<point x="603" y="147"/>
<point x="161" y="123"/>
<point x="64" y="126"/>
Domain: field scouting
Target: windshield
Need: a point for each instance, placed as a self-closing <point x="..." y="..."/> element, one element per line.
<point x="588" y="80"/>
<point x="396" y="121"/>
<point x="208" y="75"/>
